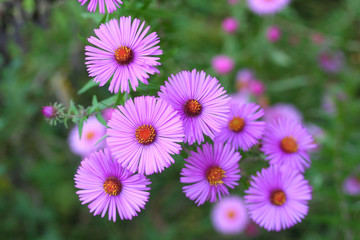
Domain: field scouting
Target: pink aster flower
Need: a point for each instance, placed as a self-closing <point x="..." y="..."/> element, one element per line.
<point x="243" y="130"/>
<point x="243" y="80"/>
<point x="210" y="172"/>
<point x="108" y="187"/>
<point x="351" y="185"/>
<point x="200" y="101"/>
<point x="264" y="7"/>
<point x="257" y="87"/>
<point x="229" y="216"/>
<point x="122" y="53"/>
<point x="223" y="64"/>
<point x="111" y="5"/>
<point x="91" y="134"/>
<point x="287" y="143"/>
<point x="230" y="25"/>
<point x="144" y="133"/>
<point x="273" y="34"/>
<point x="278" y="199"/>
<point x="282" y="110"/>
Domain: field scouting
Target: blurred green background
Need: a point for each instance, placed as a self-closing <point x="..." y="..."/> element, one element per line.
<point x="42" y="61"/>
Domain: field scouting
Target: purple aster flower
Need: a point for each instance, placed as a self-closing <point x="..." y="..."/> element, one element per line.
<point x="200" y="101"/>
<point x="107" y="113"/>
<point x="222" y="64"/>
<point x="287" y="143"/>
<point x="264" y="7"/>
<point x="278" y="199"/>
<point x="106" y="186"/>
<point x="230" y="216"/>
<point x="242" y="129"/>
<point x="144" y="133"/>
<point x="351" y="185"/>
<point x="282" y="110"/>
<point x="122" y="53"/>
<point x="111" y="5"/>
<point x="91" y="134"/>
<point x="210" y="172"/>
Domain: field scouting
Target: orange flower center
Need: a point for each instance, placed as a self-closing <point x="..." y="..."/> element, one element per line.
<point x="145" y="134"/>
<point x="192" y="108"/>
<point x="278" y="197"/>
<point x="237" y="124"/>
<point x="215" y="175"/>
<point x="289" y="145"/>
<point x="231" y="214"/>
<point x="124" y="55"/>
<point x="112" y="186"/>
<point x="89" y="135"/>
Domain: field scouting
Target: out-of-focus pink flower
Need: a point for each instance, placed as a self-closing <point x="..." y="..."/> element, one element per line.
<point x="257" y="87"/>
<point x="230" y="25"/>
<point x="282" y="110"/>
<point x="273" y="33"/>
<point x="223" y="64"/>
<point x="331" y="62"/>
<point x="351" y="185"/>
<point x="317" y="38"/>
<point x="252" y="230"/>
<point x="229" y="216"/>
<point x="243" y="79"/>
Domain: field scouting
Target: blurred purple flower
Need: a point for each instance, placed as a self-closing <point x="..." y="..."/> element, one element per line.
<point x="230" y="25"/>
<point x="331" y="62"/>
<point x="351" y="185"/>
<point x="264" y="7"/>
<point x="92" y="132"/>
<point x="107" y="113"/>
<point x="273" y="33"/>
<point x="282" y="110"/>
<point x="223" y="64"/>
<point x="229" y="216"/>
<point x="108" y="187"/>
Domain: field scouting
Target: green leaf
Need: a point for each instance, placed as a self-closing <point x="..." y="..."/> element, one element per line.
<point x="94" y="101"/>
<point x="120" y="99"/>
<point x="100" y="118"/>
<point x="90" y="84"/>
<point x="81" y="124"/>
<point x="101" y="139"/>
<point x="72" y="108"/>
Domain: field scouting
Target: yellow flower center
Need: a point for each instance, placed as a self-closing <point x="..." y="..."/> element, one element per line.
<point x="112" y="186"/>
<point x="215" y="175"/>
<point x="192" y="108"/>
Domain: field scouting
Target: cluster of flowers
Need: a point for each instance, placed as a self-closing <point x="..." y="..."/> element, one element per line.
<point x="145" y="133"/>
